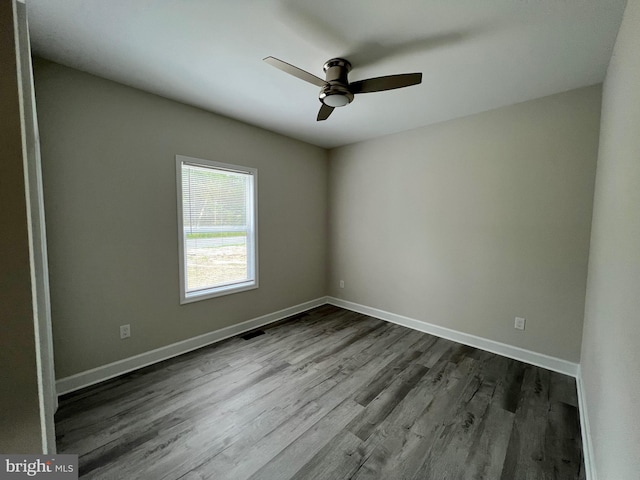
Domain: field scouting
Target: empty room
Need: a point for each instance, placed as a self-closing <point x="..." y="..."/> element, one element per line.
<point x="289" y="239"/>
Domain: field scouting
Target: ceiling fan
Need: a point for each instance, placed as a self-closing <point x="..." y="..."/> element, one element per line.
<point x="336" y="91"/>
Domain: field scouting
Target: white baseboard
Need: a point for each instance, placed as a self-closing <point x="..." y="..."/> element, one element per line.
<point x="587" y="444"/>
<point x="527" y="356"/>
<point x="111" y="370"/>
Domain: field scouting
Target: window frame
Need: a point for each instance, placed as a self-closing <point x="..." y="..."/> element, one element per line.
<point x="252" y="233"/>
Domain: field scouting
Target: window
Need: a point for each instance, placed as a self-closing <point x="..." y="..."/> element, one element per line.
<point x="217" y="228"/>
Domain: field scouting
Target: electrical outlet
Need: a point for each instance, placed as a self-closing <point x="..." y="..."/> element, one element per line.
<point x="519" y="324"/>
<point x="341" y="283"/>
<point x="125" y="331"/>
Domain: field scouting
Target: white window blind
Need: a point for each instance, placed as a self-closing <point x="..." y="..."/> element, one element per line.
<point x="217" y="213"/>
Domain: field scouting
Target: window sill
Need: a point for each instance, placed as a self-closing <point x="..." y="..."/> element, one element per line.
<point x="217" y="292"/>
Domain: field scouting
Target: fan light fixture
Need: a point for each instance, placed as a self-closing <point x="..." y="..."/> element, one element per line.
<point x="336" y="100"/>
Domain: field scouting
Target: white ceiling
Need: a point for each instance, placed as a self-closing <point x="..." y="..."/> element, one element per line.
<point x="474" y="55"/>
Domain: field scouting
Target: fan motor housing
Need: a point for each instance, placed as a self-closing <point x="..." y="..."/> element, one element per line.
<point x="336" y="93"/>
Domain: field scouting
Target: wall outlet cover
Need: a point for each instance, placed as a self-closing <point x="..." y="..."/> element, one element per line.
<point x="125" y="331"/>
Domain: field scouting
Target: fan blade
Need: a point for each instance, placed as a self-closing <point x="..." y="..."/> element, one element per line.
<point x="295" y="71"/>
<point x="324" y="112"/>
<point x="389" y="82"/>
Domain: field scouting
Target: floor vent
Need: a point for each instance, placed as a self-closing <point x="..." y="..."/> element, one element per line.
<point x="252" y="334"/>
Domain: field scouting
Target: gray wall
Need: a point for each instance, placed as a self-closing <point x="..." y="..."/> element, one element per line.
<point x="108" y="155"/>
<point x="611" y="345"/>
<point x="470" y="223"/>
<point x="20" y="430"/>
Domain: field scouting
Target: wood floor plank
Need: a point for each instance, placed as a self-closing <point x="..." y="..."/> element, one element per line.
<point x="404" y="450"/>
<point x="328" y="394"/>
<point x="338" y="459"/>
<point x="410" y="356"/>
<point x="563" y="448"/>
<point x="439" y="348"/>
<point x="297" y="454"/>
<point x="448" y="457"/>
<point x="363" y="425"/>
<point x="489" y="446"/>
<point x="386" y="376"/>
<point x="562" y="389"/>
<point x="509" y="387"/>
<point x="525" y="454"/>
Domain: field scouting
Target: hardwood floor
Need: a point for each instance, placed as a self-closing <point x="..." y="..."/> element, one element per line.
<point x="329" y="394"/>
